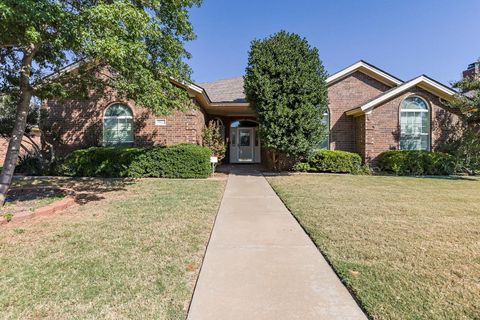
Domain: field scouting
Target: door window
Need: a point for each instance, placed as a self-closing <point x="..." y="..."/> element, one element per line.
<point x="244" y="138"/>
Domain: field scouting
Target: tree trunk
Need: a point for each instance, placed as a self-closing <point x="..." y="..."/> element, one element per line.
<point x="26" y="92"/>
<point x="274" y="160"/>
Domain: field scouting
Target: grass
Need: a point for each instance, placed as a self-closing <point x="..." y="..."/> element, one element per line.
<point x="409" y="248"/>
<point x="42" y="202"/>
<point x="135" y="254"/>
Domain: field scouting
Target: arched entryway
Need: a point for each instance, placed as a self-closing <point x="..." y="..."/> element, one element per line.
<point x="244" y="142"/>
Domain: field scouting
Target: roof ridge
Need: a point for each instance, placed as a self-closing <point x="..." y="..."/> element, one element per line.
<point x="229" y="78"/>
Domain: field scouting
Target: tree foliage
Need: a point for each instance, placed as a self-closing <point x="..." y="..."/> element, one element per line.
<point x="133" y="46"/>
<point x="463" y="143"/>
<point x="7" y="117"/>
<point x="285" y="84"/>
<point x="468" y="98"/>
<point x="141" y="42"/>
<point x="212" y="139"/>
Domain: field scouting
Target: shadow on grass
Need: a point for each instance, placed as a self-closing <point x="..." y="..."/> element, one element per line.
<point x="85" y="189"/>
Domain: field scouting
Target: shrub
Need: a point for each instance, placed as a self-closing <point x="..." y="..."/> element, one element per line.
<point x="178" y="161"/>
<point x="416" y="163"/>
<point x="99" y="162"/>
<point x="464" y="146"/>
<point x="301" y="166"/>
<point x="332" y="161"/>
<point x="30" y="164"/>
<point x="212" y="139"/>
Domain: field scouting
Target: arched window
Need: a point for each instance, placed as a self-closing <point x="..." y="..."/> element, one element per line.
<point x="325" y="144"/>
<point x="414" y="124"/>
<point x="118" y="125"/>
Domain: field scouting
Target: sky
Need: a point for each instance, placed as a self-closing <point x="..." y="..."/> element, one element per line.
<point x="406" y="38"/>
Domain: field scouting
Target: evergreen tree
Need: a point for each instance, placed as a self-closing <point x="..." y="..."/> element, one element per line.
<point x="285" y="84"/>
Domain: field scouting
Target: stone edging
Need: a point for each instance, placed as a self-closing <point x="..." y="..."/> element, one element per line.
<point x="50" y="209"/>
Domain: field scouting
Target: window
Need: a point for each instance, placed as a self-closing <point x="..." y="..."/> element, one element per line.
<point x="325" y="144"/>
<point x="414" y="124"/>
<point x="118" y="125"/>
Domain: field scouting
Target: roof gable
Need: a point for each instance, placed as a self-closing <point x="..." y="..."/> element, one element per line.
<point x="424" y="82"/>
<point x="368" y="69"/>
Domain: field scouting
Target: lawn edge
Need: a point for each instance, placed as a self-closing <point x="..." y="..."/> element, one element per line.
<point x="345" y="284"/>
<point x="206" y="245"/>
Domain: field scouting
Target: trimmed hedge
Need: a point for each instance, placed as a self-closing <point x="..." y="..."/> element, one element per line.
<point x="178" y="161"/>
<point x="416" y="163"/>
<point x="332" y="161"/>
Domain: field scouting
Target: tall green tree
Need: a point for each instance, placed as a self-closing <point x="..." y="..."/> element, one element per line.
<point x="285" y="84"/>
<point x="133" y="46"/>
<point x="463" y="139"/>
<point x="468" y="98"/>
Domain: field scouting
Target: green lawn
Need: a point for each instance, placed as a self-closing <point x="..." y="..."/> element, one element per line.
<point x="132" y="251"/>
<point x="408" y="247"/>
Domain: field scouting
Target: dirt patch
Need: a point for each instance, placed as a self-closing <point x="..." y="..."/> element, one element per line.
<point x="21" y="200"/>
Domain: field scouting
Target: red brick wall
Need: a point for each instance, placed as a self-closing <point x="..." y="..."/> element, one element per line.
<point x="360" y="135"/>
<point x="344" y="95"/>
<point x="79" y="123"/>
<point x="383" y="124"/>
<point x="26" y="143"/>
<point x="3" y="149"/>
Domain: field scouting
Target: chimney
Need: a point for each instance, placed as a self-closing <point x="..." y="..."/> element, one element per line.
<point x="473" y="70"/>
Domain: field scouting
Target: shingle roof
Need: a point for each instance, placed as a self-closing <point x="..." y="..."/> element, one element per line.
<point x="227" y="90"/>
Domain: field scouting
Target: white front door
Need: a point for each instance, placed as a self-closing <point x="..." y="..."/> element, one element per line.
<point x="244" y="145"/>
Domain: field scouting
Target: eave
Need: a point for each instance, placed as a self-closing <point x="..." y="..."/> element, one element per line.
<point x="440" y="90"/>
<point x="368" y="69"/>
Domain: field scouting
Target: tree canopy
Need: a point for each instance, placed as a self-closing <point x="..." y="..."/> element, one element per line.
<point x="285" y="84"/>
<point x="468" y="99"/>
<point x="139" y="43"/>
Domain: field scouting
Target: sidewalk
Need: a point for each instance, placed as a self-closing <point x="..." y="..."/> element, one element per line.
<point x="260" y="264"/>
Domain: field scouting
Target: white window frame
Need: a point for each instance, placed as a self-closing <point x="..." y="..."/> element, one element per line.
<point x="129" y="141"/>
<point x="328" y="134"/>
<point x="419" y="111"/>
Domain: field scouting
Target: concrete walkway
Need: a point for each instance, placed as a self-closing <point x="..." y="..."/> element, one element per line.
<point x="260" y="264"/>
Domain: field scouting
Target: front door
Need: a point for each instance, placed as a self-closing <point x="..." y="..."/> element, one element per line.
<point x="245" y="144"/>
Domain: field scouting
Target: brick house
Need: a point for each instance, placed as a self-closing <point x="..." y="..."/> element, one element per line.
<point x="370" y="111"/>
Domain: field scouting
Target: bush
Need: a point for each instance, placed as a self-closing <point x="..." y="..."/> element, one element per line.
<point x="333" y="161"/>
<point x="178" y="161"/>
<point x="416" y="163"/>
<point x="464" y="146"/>
<point x="99" y="162"/>
<point x="30" y="164"/>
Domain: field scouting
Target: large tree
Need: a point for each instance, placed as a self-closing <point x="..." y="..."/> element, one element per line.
<point x="285" y="84"/>
<point x="133" y="46"/>
<point x="468" y="98"/>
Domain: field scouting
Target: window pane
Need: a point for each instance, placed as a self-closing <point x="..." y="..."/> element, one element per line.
<point x="233" y="136"/>
<point x="325" y="143"/>
<point x="414" y="125"/>
<point x="117" y="130"/>
<point x="414" y="103"/>
<point x="424" y="142"/>
<point x="244" y="138"/>
<point x="110" y="123"/>
<point x="118" y="110"/>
